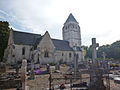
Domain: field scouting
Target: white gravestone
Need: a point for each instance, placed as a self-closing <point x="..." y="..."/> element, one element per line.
<point x="23" y="73"/>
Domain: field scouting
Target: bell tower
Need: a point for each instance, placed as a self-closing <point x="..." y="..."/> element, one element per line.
<point x="71" y="31"/>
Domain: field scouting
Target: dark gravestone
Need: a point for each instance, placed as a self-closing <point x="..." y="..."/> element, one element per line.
<point x="96" y="81"/>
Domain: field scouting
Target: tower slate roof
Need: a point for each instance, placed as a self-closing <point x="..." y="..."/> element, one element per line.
<point x="71" y="18"/>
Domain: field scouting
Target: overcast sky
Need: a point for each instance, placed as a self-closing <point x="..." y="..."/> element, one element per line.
<point x="97" y="18"/>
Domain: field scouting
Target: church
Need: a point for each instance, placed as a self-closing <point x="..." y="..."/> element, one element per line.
<point x="44" y="49"/>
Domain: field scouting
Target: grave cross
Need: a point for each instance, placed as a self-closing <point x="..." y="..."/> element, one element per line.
<point x="94" y="53"/>
<point x="75" y="64"/>
<point x="96" y="82"/>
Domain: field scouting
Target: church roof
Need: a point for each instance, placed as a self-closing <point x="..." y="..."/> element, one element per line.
<point x="71" y="18"/>
<point x="62" y="45"/>
<point x="23" y="38"/>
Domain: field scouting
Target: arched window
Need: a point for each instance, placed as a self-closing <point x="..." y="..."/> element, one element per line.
<point x="70" y="26"/>
<point x="38" y="59"/>
<point x="62" y="54"/>
<point x="46" y="54"/>
<point x="70" y="55"/>
<point x="77" y="56"/>
<point x="23" y="51"/>
<point x="73" y="26"/>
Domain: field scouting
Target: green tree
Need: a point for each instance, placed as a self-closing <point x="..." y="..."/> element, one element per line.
<point x="112" y="51"/>
<point x="4" y="34"/>
<point x="85" y="50"/>
<point x="89" y="52"/>
<point x="105" y="49"/>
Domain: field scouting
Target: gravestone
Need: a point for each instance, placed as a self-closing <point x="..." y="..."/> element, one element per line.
<point x="94" y="52"/>
<point x="75" y="64"/>
<point x="96" y="82"/>
<point x="57" y="66"/>
<point x="23" y="73"/>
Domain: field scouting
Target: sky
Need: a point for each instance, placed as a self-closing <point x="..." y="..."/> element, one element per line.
<point x="98" y="19"/>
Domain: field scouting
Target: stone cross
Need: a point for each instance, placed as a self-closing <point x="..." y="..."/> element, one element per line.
<point x="94" y="53"/>
<point x="23" y="73"/>
<point x="75" y="64"/>
<point x="96" y="82"/>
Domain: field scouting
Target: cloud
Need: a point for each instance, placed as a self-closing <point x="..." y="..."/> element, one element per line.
<point x="98" y="19"/>
<point x="26" y="16"/>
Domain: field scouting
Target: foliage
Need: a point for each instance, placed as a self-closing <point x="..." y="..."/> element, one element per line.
<point x="4" y="34"/>
<point x="89" y="52"/>
<point x="111" y="51"/>
<point x="85" y="50"/>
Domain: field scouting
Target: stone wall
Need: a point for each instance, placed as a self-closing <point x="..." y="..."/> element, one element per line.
<point x="14" y="53"/>
<point x="66" y="56"/>
<point x="54" y="57"/>
<point x="18" y="51"/>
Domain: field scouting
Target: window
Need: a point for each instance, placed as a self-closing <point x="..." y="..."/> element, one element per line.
<point x="77" y="56"/>
<point x="76" y="27"/>
<point x="62" y="54"/>
<point x="23" y="51"/>
<point x="69" y="55"/>
<point x="46" y="54"/>
<point x="38" y="59"/>
<point x="73" y="26"/>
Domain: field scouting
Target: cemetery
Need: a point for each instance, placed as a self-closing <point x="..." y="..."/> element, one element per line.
<point x="39" y="62"/>
<point x="87" y="75"/>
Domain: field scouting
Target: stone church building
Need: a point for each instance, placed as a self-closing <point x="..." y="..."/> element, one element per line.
<point x="43" y="48"/>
